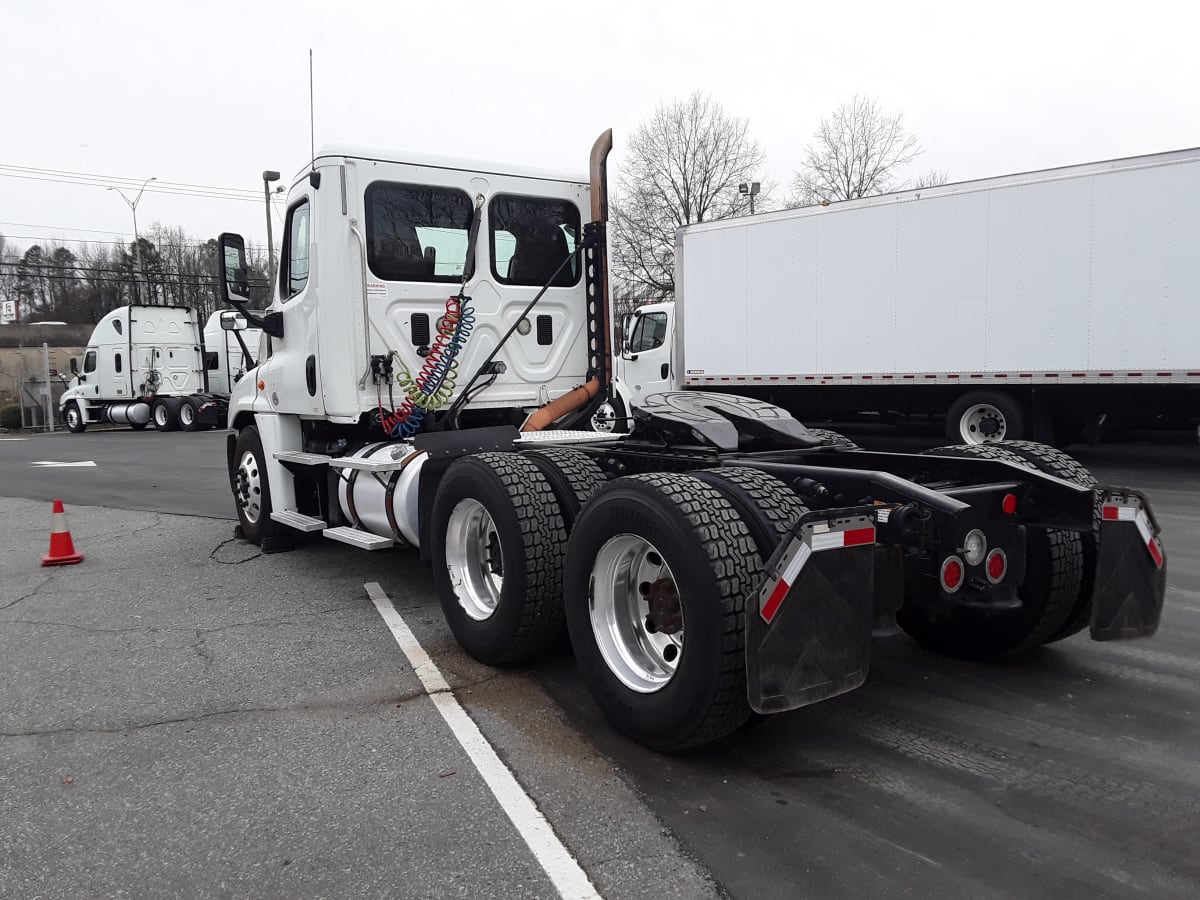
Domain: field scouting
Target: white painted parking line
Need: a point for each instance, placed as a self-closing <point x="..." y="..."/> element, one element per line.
<point x="49" y="464"/>
<point x="568" y="877"/>
<point x="13" y="439"/>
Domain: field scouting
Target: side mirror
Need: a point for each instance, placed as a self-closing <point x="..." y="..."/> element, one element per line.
<point x="231" y="263"/>
<point x="74" y="366"/>
<point x="233" y="321"/>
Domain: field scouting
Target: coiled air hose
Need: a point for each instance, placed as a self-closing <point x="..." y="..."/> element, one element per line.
<point x="434" y="384"/>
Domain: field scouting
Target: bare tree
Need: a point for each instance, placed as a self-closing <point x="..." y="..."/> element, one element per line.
<point x="855" y="153"/>
<point x="931" y="178"/>
<point x="684" y="165"/>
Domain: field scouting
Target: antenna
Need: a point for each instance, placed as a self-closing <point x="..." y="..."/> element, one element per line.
<point x="313" y="178"/>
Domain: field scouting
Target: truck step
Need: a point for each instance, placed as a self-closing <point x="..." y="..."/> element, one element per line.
<point x="364" y="540"/>
<point x="566" y="437"/>
<point x="378" y="464"/>
<point x="301" y="458"/>
<point x="297" y="520"/>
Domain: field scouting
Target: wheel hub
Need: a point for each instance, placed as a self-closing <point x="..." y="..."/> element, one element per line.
<point x="248" y="487"/>
<point x="636" y="614"/>
<point x="474" y="559"/>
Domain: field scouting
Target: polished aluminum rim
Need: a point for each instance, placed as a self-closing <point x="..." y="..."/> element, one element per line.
<point x="981" y="424"/>
<point x="604" y="419"/>
<point x="160" y="415"/>
<point x="474" y="559"/>
<point x="73" y="417"/>
<point x="187" y="414"/>
<point x="636" y="650"/>
<point x="249" y="487"/>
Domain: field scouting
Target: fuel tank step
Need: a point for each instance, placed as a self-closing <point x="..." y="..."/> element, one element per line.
<point x="297" y="520"/>
<point x="301" y="458"/>
<point x="364" y="540"/>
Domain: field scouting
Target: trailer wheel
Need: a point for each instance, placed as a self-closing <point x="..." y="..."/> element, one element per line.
<point x="164" y="415"/>
<point x="767" y="506"/>
<point x="983" y="417"/>
<point x="658" y="570"/>
<point x="498" y="541"/>
<point x="574" y="477"/>
<point x="1053" y="461"/>
<point x="187" y="415"/>
<point x="839" y="441"/>
<point x="74" y="418"/>
<point x="1053" y="574"/>
<point x="251" y="487"/>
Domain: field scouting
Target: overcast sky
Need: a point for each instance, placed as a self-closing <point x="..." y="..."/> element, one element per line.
<point x="213" y="93"/>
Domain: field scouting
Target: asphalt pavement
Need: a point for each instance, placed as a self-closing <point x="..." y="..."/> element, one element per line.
<point x="182" y="716"/>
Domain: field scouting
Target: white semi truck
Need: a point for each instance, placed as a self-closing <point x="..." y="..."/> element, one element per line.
<point x="439" y="341"/>
<point x="1039" y="304"/>
<point x="148" y="364"/>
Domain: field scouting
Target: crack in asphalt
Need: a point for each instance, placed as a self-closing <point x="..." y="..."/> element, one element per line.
<point x="32" y="593"/>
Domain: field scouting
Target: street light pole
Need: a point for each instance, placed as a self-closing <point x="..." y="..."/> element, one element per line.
<point x="268" y="177"/>
<point x="751" y="188"/>
<point x="137" y="244"/>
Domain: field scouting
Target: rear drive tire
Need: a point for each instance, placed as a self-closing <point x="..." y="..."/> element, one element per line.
<point x="573" y="476"/>
<point x="1053" y="461"/>
<point x="1053" y="573"/>
<point x="498" y="541"/>
<point x="73" y="416"/>
<point x="837" y="440"/>
<point x="164" y="414"/>
<point x="187" y="415"/>
<point x="983" y="417"/>
<point x="767" y="506"/>
<point x="675" y="541"/>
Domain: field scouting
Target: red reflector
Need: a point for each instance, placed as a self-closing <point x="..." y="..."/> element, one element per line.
<point x="996" y="565"/>
<point x="952" y="574"/>
<point x="1112" y="513"/>
<point x="1009" y="504"/>
<point x="856" y="536"/>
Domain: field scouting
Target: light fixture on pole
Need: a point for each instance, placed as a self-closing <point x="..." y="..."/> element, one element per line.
<point x="268" y="177"/>
<point x="751" y="188"/>
<point x="137" y="249"/>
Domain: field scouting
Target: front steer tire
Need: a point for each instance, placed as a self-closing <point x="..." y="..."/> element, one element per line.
<point x="497" y="540"/>
<point x="252" y="492"/>
<point x="665" y="700"/>
<point x="73" y="416"/>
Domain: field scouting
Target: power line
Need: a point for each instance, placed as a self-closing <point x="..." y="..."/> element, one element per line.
<point x="207" y="195"/>
<point x="130" y="182"/>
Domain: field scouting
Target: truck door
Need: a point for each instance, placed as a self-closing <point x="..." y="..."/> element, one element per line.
<point x="112" y="371"/>
<point x="646" y="365"/>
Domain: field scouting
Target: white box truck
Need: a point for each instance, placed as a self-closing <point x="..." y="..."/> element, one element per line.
<point x="441" y="331"/>
<point x="143" y="364"/>
<point x="1027" y="305"/>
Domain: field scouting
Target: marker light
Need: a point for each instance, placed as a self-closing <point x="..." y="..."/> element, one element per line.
<point x="952" y="574"/>
<point x="997" y="565"/>
<point x="1009" y="504"/>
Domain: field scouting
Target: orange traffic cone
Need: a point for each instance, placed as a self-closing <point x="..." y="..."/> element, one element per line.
<point x="62" y="548"/>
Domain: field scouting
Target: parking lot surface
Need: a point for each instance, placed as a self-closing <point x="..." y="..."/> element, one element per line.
<point x="182" y="716"/>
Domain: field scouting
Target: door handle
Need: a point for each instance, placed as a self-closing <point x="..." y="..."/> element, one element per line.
<point x="666" y="370"/>
<point x="310" y="375"/>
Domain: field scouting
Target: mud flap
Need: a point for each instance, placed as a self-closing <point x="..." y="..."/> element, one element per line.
<point x="808" y="629"/>
<point x="1131" y="568"/>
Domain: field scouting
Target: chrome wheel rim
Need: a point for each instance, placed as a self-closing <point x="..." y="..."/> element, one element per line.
<point x="248" y="489"/>
<point x="72" y="417"/>
<point x="604" y="419"/>
<point x="982" y="424"/>
<point x="187" y="414"/>
<point x="160" y="415"/>
<point x="642" y="655"/>
<point x="474" y="559"/>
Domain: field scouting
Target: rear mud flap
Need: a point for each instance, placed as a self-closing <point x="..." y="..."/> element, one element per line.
<point x="808" y="630"/>
<point x="1131" y="569"/>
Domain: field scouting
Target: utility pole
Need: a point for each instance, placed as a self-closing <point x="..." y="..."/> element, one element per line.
<point x="137" y="248"/>
<point x="268" y="177"/>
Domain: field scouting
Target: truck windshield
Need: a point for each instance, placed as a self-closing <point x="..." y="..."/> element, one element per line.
<point x="417" y="232"/>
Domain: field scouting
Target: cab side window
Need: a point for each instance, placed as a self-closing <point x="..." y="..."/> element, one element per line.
<point x="649" y="333"/>
<point x="531" y="237"/>
<point x="418" y="232"/>
<point x="89" y="362"/>
<point x="294" y="274"/>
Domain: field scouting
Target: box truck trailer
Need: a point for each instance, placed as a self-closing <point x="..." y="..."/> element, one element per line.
<point x="143" y="364"/>
<point x="440" y="340"/>
<point x="1038" y="304"/>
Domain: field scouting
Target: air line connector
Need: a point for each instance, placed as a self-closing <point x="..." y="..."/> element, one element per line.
<point x="381" y="368"/>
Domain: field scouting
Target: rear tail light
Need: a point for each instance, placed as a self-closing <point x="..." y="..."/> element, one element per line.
<point x="997" y="566"/>
<point x="952" y="574"/>
<point x="1009" y="504"/>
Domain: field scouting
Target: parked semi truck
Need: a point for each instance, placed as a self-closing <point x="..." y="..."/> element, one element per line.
<point x="228" y="355"/>
<point x="440" y="340"/>
<point x="1039" y="304"/>
<point x="144" y="364"/>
